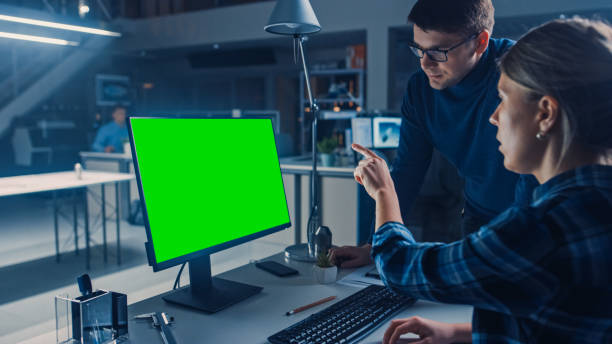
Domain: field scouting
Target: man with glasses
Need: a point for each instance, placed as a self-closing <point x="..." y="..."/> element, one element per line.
<point x="446" y="106"/>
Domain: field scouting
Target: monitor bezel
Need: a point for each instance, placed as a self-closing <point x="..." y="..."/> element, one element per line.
<point x="376" y="121"/>
<point x="158" y="266"/>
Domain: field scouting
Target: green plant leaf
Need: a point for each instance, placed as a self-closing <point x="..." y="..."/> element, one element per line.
<point x="327" y="145"/>
<point x="323" y="261"/>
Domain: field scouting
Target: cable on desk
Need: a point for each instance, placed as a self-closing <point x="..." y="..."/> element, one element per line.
<point x="177" y="281"/>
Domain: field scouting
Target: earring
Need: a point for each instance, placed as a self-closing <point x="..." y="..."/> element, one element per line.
<point x="541" y="136"/>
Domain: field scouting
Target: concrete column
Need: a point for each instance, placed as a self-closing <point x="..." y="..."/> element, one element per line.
<point x="270" y="91"/>
<point x="377" y="60"/>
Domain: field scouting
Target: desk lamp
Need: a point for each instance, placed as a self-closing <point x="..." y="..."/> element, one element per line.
<point x="296" y="18"/>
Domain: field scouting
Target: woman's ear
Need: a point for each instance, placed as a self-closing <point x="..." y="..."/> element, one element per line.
<point x="548" y="113"/>
<point x="482" y="41"/>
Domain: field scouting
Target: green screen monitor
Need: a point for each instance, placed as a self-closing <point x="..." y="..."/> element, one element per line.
<point x="207" y="184"/>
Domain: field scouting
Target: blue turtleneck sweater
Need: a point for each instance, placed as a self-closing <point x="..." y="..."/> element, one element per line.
<point x="456" y="122"/>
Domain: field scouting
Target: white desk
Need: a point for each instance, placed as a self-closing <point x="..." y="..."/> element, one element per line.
<point x="338" y="179"/>
<point x="256" y="318"/>
<point x="297" y="166"/>
<point x="53" y="182"/>
<point x="113" y="162"/>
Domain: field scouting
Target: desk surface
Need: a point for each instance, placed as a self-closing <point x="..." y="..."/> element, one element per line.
<point x="32" y="183"/>
<point x="254" y="319"/>
<point x="303" y="165"/>
<point x="291" y="165"/>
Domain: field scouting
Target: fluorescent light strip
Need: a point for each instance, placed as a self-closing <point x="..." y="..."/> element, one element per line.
<point x="59" y="26"/>
<point x="37" y="39"/>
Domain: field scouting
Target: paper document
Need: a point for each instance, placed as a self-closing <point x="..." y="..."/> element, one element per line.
<point x="358" y="277"/>
<point x="362" y="131"/>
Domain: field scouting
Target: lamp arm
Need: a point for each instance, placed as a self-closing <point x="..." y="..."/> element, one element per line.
<point x="314" y="219"/>
<point x="306" y="74"/>
<point x="315" y="109"/>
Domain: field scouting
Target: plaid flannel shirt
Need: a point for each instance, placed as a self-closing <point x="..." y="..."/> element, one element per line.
<point x="535" y="274"/>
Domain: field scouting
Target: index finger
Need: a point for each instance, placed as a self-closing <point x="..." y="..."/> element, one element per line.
<point x="361" y="149"/>
<point x="390" y="330"/>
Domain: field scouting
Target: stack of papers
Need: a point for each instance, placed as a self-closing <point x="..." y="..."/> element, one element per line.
<point x="358" y="277"/>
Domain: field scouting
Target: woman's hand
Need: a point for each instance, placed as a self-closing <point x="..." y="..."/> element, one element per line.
<point x="351" y="256"/>
<point x="429" y="331"/>
<point x="372" y="172"/>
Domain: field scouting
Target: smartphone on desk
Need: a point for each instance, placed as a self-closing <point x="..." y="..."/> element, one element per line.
<point x="373" y="273"/>
<point x="277" y="269"/>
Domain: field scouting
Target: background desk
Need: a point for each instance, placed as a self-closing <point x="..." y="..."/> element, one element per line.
<point x="113" y="162"/>
<point x="256" y="318"/>
<point x="54" y="182"/>
<point x="338" y="194"/>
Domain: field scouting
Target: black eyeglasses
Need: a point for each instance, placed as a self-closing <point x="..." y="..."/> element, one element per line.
<point x="438" y="55"/>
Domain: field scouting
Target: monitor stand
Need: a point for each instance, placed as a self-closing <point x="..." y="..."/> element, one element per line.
<point x="207" y="293"/>
<point x="300" y="253"/>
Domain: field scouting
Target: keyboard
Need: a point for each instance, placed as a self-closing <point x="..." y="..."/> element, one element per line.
<point x="347" y="321"/>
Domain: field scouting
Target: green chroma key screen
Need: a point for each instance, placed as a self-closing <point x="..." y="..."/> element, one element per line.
<point x="207" y="181"/>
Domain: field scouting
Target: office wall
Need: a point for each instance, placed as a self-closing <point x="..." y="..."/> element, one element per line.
<point x="245" y="23"/>
<point x="240" y="23"/>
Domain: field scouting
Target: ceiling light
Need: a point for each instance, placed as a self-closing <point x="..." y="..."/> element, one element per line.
<point x="83" y="10"/>
<point x="39" y="39"/>
<point x="59" y="26"/>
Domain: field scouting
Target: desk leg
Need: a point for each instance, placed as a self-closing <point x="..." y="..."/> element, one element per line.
<point x="117" y="215"/>
<point x="86" y="229"/>
<point x="297" y="204"/>
<point x="129" y="198"/>
<point x="126" y="169"/>
<point x="102" y="188"/>
<point x="74" y="222"/>
<point x="57" y="256"/>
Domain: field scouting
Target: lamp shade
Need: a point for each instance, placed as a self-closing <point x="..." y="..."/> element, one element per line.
<point x="293" y="17"/>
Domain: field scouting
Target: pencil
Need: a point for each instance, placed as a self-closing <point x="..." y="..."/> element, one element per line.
<point x="316" y="303"/>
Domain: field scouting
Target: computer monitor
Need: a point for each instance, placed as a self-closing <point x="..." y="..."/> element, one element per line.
<point x="376" y="132"/>
<point x="362" y="131"/>
<point x="386" y="132"/>
<point x="207" y="184"/>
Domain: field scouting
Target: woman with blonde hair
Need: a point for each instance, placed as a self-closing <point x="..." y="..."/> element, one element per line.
<point x="540" y="273"/>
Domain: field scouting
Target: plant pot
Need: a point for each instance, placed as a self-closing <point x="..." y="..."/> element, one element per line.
<point x="327" y="159"/>
<point x="325" y="275"/>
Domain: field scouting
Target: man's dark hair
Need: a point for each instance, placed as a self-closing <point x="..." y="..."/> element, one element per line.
<point x="453" y="16"/>
<point x="117" y="107"/>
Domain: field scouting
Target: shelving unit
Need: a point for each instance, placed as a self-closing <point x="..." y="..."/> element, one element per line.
<point x="351" y="98"/>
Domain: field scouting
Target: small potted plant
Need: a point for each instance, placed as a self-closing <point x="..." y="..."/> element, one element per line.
<point x="324" y="271"/>
<point x="326" y="147"/>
